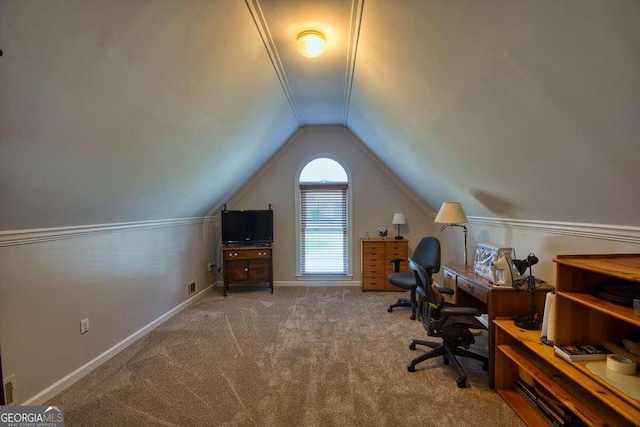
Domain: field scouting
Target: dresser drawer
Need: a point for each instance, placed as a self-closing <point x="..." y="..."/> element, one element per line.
<point x="396" y="250"/>
<point x="374" y="284"/>
<point x="374" y="270"/>
<point x="244" y="254"/>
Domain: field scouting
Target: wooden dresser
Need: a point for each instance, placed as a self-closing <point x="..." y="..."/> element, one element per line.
<point x="247" y="265"/>
<point x="376" y="267"/>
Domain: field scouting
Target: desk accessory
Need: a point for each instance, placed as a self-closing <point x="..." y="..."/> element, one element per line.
<point x="528" y="284"/>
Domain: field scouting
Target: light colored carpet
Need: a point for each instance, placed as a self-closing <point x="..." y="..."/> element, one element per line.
<point x="320" y="356"/>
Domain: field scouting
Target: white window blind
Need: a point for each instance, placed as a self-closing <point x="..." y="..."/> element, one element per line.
<point x="323" y="211"/>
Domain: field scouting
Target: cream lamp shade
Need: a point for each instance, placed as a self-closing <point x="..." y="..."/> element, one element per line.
<point x="398" y="220"/>
<point x="311" y="43"/>
<point x="451" y="213"/>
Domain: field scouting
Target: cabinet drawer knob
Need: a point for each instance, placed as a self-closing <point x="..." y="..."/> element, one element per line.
<point x="470" y="288"/>
<point x="246" y="269"/>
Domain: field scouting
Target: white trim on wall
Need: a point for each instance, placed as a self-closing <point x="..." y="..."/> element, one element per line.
<point x="64" y="383"/>
<point x="616" y="233"/>
<point x="316" y="283"/>
<point x="37" y="235"/>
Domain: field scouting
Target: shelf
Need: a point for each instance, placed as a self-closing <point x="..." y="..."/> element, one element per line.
<point x="556" y="386"/>
<point x="625" y="266"/>
<point x="614" y="310"/>
<point x="522" y="408"/>
<point x="576" y="383"/>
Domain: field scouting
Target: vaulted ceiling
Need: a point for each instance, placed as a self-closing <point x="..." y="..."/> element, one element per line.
<point x="129" y="111"/>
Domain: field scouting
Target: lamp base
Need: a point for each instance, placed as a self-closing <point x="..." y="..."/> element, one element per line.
<point x="530" y="323"/>
<point x="399" y="238"/>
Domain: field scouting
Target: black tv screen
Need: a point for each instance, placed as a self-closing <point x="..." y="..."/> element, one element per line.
<point x="251" y="227"/>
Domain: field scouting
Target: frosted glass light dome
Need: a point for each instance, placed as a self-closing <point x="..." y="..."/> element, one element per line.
<point x="311" y="43"/>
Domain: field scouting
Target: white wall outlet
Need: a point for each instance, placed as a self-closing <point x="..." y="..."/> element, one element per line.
<point x="209" y="266"/>
<point x="84" y="326"/>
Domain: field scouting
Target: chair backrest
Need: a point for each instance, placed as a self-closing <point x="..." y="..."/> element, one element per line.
<point x="424" y="281"/>
<point x="428" y="304"/>
<point x="427" y="254"/>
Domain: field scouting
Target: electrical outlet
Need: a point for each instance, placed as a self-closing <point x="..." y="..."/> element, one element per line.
<point x="84" y="326"/>
<point x="209" y="267"/>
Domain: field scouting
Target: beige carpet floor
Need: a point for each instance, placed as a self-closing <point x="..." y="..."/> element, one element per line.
<point x="304" y="356"/>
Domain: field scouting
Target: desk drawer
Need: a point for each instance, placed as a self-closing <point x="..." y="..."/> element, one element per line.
<point x="477" y="291"/>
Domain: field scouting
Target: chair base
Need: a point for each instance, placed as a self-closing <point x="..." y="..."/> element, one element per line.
<point x="448" y="353"/>
<point x="411" y="303"/>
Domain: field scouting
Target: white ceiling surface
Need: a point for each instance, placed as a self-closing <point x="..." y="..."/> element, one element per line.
<point x="126" y="111"/>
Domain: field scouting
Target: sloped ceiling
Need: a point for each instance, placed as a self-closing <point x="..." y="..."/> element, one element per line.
<point x="129" y="111"/>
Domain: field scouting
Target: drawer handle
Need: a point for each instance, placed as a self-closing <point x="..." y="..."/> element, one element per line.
<point x="246" y="269"/>
<point x="471" y="288"/>
<point x="449" y="276"/>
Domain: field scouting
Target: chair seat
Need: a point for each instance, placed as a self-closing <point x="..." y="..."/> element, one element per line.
<point x="404" y="279"/>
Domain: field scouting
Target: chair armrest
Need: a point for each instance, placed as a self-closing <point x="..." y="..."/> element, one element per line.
<point x="447" y="291"/>
<point x="459" y="311"/>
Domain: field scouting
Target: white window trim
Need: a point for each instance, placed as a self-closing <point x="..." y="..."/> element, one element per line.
<point x="325" y="277"/>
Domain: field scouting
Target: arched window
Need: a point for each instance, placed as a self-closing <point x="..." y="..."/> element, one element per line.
<point x="323" y="207"/>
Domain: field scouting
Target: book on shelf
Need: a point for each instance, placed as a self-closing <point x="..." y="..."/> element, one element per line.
<point x="532" y="399"/>
<point x="549" y="408"/>
<point x="574" y="353"/>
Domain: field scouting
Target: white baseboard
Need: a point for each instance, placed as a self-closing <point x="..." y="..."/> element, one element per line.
<point x="64" y="383"/>
<point x="314" y="283"/>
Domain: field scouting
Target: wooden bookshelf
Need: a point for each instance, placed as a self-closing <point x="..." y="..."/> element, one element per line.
<point x="581" y="318"/>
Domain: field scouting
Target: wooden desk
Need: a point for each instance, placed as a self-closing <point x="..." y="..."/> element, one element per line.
<point x="472" y="290"/>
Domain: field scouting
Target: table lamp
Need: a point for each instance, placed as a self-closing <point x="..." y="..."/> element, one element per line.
<point x="398" y="220"/>
<point x="451" y="214"/>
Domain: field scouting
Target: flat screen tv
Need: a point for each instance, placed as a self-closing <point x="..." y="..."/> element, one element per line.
<point x="251" y="227"/>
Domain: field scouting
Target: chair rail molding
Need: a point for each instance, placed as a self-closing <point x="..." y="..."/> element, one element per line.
<point x="616" y="233"/>
<point x="37" y="235"/>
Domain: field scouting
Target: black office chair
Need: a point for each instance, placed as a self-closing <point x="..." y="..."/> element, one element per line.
<point x="445" y="320"/>
<point x="427" y="254"/>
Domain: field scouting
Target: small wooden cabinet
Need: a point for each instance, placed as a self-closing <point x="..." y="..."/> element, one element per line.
<point x="376" y="254"/>
<point x="247" y="265"/>
<point x="581" y="318"/>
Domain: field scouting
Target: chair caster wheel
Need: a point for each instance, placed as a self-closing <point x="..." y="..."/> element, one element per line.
<point x="412" y="346"/>
<point x="446" y="361"/>
<point x="485" y="366"/>
<point x="462" y="383"/>
<point x="411" y="368"/>
<point x="390" y="310"/>
<point x="413" y="317"/>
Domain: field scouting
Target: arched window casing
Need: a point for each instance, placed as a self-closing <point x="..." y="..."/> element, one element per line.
<point x="323" y="213"/>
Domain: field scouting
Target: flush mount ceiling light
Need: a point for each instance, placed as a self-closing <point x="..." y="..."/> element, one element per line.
<point x="311" y="43"/>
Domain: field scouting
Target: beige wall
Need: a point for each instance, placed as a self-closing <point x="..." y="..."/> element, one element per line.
<point x="121" y="279"/>
<point x="376" y="195"/>
<point x="544" y="242"/>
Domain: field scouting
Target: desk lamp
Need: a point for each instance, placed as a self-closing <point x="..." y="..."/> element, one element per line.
<point x="529" y="284"/>
<point x="451" y="214"/>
